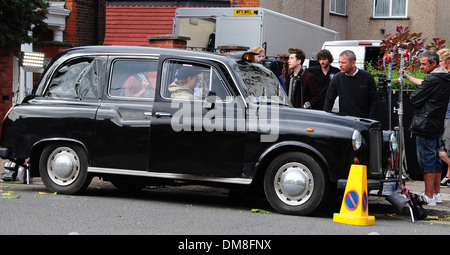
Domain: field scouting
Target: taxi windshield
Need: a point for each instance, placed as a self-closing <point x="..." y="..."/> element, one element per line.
<point x="260" y="84"/>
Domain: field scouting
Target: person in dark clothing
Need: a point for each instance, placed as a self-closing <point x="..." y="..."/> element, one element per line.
<point x="305" y="91"/>
<point x="323" y="73"/>
<point x="355" y="87"/>
<point x="430" y="101"/>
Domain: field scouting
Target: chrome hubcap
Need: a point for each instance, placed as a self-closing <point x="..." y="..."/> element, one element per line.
<point x="294" y="183"/>
<point x="63" y="166"/>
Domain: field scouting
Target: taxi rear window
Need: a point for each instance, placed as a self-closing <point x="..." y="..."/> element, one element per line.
<point x="134" y="78"/>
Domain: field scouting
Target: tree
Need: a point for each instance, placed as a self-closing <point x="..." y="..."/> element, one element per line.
<point x="17" y="19"/>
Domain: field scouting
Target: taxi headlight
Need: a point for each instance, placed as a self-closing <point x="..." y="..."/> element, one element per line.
<point x="356" y="140"/>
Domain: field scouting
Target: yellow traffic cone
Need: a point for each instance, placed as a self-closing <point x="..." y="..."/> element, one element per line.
<point x="355" y="207"/>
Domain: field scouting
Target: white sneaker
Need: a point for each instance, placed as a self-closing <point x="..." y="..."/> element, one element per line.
<point x="438" y="198"/>
<point x="430" y="201"/>
<point x="445" y="182"/>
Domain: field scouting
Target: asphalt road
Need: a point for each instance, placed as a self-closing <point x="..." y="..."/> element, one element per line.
<point x="191" y="210"/>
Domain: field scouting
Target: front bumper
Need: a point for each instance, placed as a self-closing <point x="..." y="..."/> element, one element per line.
<point x="384" y="187"/>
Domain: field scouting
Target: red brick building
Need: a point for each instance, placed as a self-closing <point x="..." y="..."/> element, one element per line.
<point x="6" y="78"/>
<point x="86" y="22"/>
<point x="131" y="22"/>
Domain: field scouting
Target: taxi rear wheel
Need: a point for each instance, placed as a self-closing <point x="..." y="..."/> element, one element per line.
<point x="63" y="168"/>
<point x="295" y="183"/>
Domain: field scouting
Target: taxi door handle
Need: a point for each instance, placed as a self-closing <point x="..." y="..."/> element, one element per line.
<point x="163" y="114"/>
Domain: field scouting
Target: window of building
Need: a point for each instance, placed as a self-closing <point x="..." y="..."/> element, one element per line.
<point x="390" y="8"/>
<point x="338" y="7"/>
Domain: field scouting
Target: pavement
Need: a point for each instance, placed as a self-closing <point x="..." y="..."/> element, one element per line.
<point x="418" y="187"/>
<point x="436" y="212"/>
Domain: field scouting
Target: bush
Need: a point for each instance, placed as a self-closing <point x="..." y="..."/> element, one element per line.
<point x="406" y="40"/>
<point x="407" y="85"/>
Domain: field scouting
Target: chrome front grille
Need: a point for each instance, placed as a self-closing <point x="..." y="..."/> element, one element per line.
<point x="376" y="146"/>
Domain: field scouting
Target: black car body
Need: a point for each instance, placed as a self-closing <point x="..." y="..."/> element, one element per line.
<point x="240" y="130"/>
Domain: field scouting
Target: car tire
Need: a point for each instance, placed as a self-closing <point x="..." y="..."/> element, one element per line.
<point x="63" y="168"/>
<point x="295" y="183"/>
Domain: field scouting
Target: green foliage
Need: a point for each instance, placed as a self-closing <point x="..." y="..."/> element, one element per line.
<point x="407" y="85"/>
<point x="17" y="18"/>
<point x="403" y="39"/>
<point x="406" y="40"/>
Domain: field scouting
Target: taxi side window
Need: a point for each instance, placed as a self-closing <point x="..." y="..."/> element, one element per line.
<point x="184" y="80"/>
<point x="133" y="78"/>
<point x="78" y="78"/>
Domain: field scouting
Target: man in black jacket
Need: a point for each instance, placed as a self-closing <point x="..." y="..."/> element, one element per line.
<point x="323" y="72"/>
<point x="355" y="87"/>
<point x="430" y="100"/>
<point x="305" y="92"/>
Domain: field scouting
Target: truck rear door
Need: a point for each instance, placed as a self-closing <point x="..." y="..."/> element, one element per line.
<point x="243" y="29"/>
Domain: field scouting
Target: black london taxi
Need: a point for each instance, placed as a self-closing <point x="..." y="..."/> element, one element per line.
<point x="139" y="116"/>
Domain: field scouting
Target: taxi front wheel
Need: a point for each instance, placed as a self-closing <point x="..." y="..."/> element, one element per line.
<point x="295" y="183"/>
<point x="63" y="168"/>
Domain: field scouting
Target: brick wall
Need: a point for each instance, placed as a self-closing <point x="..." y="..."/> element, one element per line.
<point x="122" y="28"/>
<point x="244" y="3"/>
<point x="168" y="41"/>
<point x="168" y="44"/>
<point x="70" y="33"/>
<point x="86" y="22"/>
<point x="6" y="79"/>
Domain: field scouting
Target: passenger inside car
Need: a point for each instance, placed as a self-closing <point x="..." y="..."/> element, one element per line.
<point x="202" y="87"/>
<point x="183" y="88"/>
<point x="134" y="79"/>
<point x="139" y="85"/>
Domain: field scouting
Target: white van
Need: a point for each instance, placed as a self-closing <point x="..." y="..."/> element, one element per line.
<point x="365" y="50"/>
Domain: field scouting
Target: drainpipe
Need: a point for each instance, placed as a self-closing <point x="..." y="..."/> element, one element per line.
<point x="322" y="14"/>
